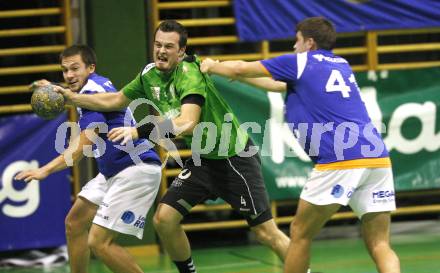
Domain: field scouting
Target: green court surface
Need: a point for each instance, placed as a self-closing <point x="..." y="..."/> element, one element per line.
<point x="419" y="253"/>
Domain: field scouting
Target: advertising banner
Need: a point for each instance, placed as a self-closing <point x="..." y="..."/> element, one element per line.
<point x="31" y="214"/>
<point x="258" y="20"/>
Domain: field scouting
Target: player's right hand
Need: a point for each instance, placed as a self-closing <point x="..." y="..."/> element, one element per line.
<point x="123" y="134"/>
<point x="207" y="64"/>
<point x="67" y="93"/>
<point x="28" y="176"/>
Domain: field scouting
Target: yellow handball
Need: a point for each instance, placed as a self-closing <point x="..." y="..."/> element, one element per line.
<point x="46" y="102"/>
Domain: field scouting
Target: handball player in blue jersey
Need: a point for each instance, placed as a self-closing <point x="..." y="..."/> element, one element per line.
<point x="118" y="198"/>
<point x="327" y="115"/>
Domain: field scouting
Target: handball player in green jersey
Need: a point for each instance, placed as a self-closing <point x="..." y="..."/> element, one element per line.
<point x="224" y="163"/>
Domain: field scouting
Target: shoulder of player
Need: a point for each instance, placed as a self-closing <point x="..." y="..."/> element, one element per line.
<point x="148" y="69"/>
<point x="97" y="84"/>
<point x="188" y="68"/>
<point x="325" y="56"/>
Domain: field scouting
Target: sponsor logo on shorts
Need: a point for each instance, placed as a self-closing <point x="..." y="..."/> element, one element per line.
<point x="128" y="217"/>
<point x="105" y="217"/>
<point x="350" y="192"/>
<point x="184" y="174"/>
<point x="383" y="196"/>
<point x="140" y="222"/>
<point x="177" y="182"/>
<point x="337" y="191"/>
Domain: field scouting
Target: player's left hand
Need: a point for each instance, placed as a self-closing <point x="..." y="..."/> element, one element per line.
<point x="123" y="134"/>
<point x="30" y="175"/>
<point x="39" y="83"/>
<point x="206" y="65"/>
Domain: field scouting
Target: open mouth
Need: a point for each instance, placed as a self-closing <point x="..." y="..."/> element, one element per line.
<point x="162" y="59"/>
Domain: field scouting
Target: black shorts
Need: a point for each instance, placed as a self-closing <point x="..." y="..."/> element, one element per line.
<point x="237" y="180"/>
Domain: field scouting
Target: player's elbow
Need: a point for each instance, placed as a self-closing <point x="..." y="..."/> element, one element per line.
<point x="188" y="127"/>
<point x="185" y="126"/>
<point x="280" y="87"/>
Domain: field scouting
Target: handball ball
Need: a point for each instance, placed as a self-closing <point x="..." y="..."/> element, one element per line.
<point x="46" y="102"/>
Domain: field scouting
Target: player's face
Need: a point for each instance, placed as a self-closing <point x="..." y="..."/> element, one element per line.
<point x="76" y="72"/>
<point x="167" y="52"/>
<point x="301" y="44"/>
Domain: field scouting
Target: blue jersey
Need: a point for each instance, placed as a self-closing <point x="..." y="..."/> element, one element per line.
<point x="113" y="159"/>
<point x="325" y="110"/>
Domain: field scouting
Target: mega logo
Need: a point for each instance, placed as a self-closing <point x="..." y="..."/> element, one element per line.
<point x="17" y="201"/>
<point x="383" y="194"/>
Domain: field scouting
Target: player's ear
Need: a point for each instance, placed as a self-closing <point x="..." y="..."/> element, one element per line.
<point x="92" y="68"/>
<point x="311" y="44"/>
<point x="182" y="51"/>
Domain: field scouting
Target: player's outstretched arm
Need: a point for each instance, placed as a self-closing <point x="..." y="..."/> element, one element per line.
<point x="266" y="83"/>
<point x="234" y="69"/>
<point x="74" y="152"/>
<point x="103" y="102"/>
<point x="252" y="73"/>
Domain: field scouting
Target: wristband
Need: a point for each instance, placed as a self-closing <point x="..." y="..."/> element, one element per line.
<point x="156" y="131"/>
<point x="145" y="130"/>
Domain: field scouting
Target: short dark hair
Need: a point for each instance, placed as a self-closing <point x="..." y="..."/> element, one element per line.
<point x="320" y="29"/>
<point x="87" y="53"/>
<point x="174" y="26"/>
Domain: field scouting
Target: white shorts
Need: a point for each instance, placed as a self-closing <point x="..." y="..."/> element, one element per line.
<point x="124" y="199"/>
<point x="364" y="190"/>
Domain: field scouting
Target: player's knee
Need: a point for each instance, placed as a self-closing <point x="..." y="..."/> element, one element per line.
<point x="163" y="222"/>
<point x="97" y="246"/>
<point x="292" y="228"/>
<point x="166" y="219"/>
<point x="73" y="226"/>
<point x="266" y="234"/>
<point x="298" y="232"/>
<point x="263" y="237"/>
<point x="378" y="247"/>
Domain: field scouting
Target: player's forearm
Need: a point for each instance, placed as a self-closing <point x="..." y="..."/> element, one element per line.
<point x="230" y="69"/>
<point x="103" y="102"/>
<point x="234" y="69"/>
<point x="57" y="164"/>
<point x="183" y="126"/>
<point x="265" y="83"/>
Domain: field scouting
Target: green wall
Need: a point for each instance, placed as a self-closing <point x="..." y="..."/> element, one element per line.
<point x="117" y="30"/>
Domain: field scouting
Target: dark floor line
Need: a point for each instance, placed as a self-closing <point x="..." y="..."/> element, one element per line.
<point x="233" y="253"/>
<point x="258" y="260"/>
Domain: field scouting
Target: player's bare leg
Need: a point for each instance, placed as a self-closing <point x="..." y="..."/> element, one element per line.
<point x="376" y="234"/>
<point x="167" y="224"/>
<point x="268" y="234"/>
<point x="173" y="237"/>
<point x="115" y="257"/>
<point x="309" y="220"/>
<point x="78" y="222"/>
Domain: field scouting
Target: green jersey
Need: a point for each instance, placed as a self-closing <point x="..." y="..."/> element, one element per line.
<point x="218" y="134"/>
